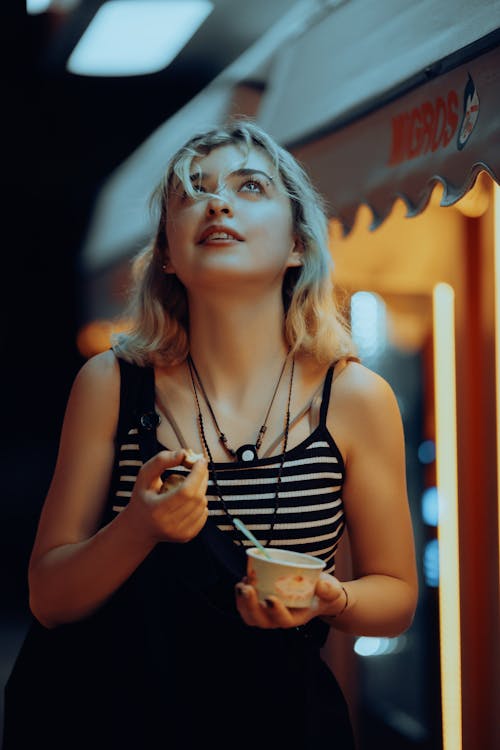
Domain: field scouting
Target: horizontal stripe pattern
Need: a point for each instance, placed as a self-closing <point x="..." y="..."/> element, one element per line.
<point x="310" y="516"/>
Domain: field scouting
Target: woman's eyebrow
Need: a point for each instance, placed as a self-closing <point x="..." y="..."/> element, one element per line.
<point x="243" y="172"/>
<point x="247" y="171"/>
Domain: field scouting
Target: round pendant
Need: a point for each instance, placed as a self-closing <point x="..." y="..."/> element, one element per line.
<point x="247" y="453"/>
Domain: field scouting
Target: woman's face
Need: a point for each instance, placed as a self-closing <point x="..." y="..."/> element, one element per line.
<point x="244" y="234"/>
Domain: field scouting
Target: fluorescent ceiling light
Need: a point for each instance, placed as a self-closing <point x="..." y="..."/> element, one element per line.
<point x="34" y="7"/>
<point x="130" y="37"/>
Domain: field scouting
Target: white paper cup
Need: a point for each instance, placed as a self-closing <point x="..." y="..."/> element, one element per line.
<point x="290" y="576"/>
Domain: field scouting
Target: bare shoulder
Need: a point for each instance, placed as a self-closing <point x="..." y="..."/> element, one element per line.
<point x="96" y="390"/>
<point x="363" y="406"/>
<point x="359" y="386"/>
<point x="99" y="376"/>
<point x="102" y="368"/>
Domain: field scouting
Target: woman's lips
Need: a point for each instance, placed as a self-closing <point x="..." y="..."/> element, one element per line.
<point x="228" y="240"/>
<point x="219" y="235"/>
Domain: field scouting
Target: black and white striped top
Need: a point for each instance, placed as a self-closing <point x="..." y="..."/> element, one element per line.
<point x="310" y="516"/>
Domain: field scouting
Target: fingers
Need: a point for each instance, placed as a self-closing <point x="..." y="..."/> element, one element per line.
<point x="191" y="490"/>
<point x="281" y="616"/>
<point x="328" y="587"/>
<point x="183" y="508"/>
<point x="190" y="524"/>
<point x="149" y="476"/>
<point x="330" y="593"/>
<point x="251" y="610"/>
<point x="174" y="516"/>
<point x="197" y="480"/>
<point x="270" y="613"/>
<point x="177" y="514"/>
<point x="187" y="502"/>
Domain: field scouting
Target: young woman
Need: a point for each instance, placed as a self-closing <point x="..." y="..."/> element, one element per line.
<point x="240" y="355"/>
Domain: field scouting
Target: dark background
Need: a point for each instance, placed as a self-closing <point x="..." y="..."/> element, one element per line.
<point x="66" y="134"/>
<point x="63" y="136"/>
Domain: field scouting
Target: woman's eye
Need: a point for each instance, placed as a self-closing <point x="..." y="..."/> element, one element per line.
<point x="252" y="186"/>
<point x="195" y="188"/>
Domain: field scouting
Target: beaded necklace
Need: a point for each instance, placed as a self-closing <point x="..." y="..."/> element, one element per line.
<point x="246" y="452"/>
<point x="211" y="464"/>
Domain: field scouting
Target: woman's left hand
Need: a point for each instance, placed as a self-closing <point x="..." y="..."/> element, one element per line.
<point x="329" y="600"/>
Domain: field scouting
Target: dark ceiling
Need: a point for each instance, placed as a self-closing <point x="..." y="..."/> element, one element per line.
<point x="67" y="134"/>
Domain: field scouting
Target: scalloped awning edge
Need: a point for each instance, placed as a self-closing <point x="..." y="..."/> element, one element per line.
<point x="446" y="131"/>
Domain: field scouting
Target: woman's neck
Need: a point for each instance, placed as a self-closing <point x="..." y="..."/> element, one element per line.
<point x="235" y="344"/>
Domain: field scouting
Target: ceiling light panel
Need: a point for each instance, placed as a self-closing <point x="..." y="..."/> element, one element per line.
<point x="34" y="7"/>
<point x="132" y="37"/>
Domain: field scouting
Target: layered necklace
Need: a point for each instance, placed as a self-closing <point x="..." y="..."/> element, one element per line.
<point x="246" y="453"/>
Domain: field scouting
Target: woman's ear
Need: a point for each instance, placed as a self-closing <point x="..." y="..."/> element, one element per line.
<point x="167" y="266"/>
<point x="296" y="255"/>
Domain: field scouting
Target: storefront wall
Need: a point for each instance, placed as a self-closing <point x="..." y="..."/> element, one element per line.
<point x="478" y="492"/>
<point x="402" y="261"/>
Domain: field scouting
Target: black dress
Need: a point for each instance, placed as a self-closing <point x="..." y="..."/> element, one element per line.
<point x="167" y="662"/>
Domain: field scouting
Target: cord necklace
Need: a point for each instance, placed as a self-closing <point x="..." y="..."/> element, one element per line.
<point x="247" y="451"/>
<point x="211" y="464"/>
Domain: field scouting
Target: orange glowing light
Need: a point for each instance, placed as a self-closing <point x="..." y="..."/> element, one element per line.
<point x="95" y="337"/>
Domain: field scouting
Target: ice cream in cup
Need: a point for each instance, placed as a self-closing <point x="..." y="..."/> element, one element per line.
<point x="290" y="576"/>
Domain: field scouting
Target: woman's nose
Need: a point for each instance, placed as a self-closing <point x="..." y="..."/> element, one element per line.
<point x="218" y="205"/>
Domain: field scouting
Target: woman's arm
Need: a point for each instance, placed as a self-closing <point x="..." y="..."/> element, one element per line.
<point x="75" y="567"/>
<point x="383" y="594"/>
<point x="364" y="418"/>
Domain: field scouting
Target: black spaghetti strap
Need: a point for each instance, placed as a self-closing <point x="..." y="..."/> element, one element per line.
<point x="136" y="391"/>
<point x="147" y="418"/>
<point x="325" y="399"/>
<point x="130" y="382"/>
<point x="137" y="406"/>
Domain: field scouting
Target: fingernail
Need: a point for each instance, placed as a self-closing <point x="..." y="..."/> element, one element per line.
<point x="269" y="603"/>
<point x="240" y="590"/>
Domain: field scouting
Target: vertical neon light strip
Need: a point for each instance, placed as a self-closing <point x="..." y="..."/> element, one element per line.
<point x="496" y="250"/>
<point x="446" y="455"/>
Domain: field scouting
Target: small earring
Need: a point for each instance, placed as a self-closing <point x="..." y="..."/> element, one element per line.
<point x="164" y="267"/>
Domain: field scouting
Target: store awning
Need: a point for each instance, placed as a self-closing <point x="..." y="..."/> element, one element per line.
<point x="379" y="101"/>
<point x="444" y="131"/>
<point x="382" y="100"/>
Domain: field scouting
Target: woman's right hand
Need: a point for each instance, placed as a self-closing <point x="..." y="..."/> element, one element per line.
<point x="176" y="515"/>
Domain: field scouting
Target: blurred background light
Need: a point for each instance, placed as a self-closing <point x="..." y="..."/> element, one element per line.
<point x="130" y="37"/>
<point x="427" y="452"/>
<point x="430" y="506"/>
<point x="431" y="563"/>
<point x="369" y="324"/>
<point x="496" y="206"/>
<point x="370" y="646"/>
<point x="35" y="7"/>
<point x="95" y="337"/>
<point x="445" y="387"/>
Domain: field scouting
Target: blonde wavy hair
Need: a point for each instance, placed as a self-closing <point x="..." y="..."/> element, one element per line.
<point x="157" y="306"/>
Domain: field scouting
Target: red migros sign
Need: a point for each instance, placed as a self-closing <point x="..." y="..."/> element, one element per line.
<point x="434" y="123"/>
